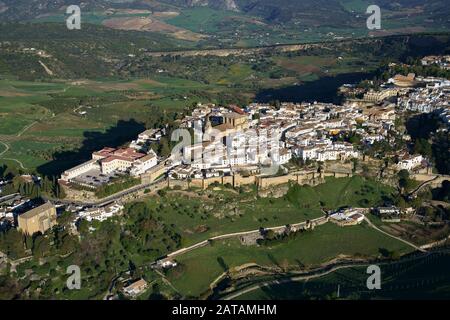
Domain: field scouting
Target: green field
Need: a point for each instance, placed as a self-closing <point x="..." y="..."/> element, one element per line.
<point x="355" y="5"/>
<point x="202" y="19"/>
<point x="30" y="152"/>
<point x="40" y="119"/>
<point x="197" y="217"/>
<point x="326" y="242"/>
<point x="356" y="191"/>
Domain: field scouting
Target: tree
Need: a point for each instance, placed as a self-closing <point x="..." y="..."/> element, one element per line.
<point x="164" y="148"/>
<point x="269" y="235"/>
<point x="12" y="243"/>
<point x="423" y="147"/>
<point x="41" y="246"/>
<point x="355" y="165"/>
<point x="9" y="288"/>
<point x="403" y="179"/>
<point x="83" y="226"/>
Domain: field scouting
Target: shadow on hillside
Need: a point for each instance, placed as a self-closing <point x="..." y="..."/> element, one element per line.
<point x="323" y="90"/>
<point x="122" y="132"/>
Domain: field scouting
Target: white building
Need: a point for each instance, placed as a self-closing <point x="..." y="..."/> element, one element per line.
<point x="410" y="162"/>
<point x="80" y="169"/>
<point x="144" y="164"/>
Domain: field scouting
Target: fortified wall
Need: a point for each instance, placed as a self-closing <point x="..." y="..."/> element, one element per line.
<point x="305" y="177"/>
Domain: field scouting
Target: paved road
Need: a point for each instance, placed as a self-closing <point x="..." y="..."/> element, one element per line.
<point x="423" y="184"/>
<point x="8" y="197"/>
<point x="243" y="233"/>
<point x="294" y="279"/>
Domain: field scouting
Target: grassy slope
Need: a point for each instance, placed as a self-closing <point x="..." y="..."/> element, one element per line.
<point x="240" y="212"/>
<point x="311" y="248"/>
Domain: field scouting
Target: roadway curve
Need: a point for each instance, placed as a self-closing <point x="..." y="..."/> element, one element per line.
<point x="423" y="184"/>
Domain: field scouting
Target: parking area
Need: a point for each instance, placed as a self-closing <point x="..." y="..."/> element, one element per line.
<point x="95" y="178"/>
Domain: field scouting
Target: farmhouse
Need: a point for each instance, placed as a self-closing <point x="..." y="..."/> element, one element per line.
<point x="136" y="288"/>
<point x="347" y="217"/>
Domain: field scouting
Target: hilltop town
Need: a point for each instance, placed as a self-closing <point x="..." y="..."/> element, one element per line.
<point x="265" y="150"/>
<point x="224" y="141"/>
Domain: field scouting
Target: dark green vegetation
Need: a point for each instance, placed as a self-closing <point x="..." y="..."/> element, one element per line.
<point x="115" y="246"/>
<point x="91" y="52"/>
<point x="412" y="278"/>
<point x="116" y="186"/>
<point x="429" y="140"/>
<point x="311" y="248"/>
<point x="151" y="229"/>
<point x="47" y="187"/>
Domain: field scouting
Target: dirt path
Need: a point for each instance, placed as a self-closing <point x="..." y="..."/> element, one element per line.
<point x="6" y="148"/>
<point x="11" y="159"/>
<point x="233" y="235"/>
<point x="18" y="135"/>
<point x="392" y="236"/>
<point x="49" y="72"/>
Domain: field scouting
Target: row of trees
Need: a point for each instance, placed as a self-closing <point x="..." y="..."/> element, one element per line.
<point x="44" y="187"/>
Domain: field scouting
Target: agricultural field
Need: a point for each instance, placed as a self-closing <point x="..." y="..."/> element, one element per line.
<point x="416" y="233"/>
<point x="40" y="120"/>
<point x="132" y="20"/>
<point x="56" y="116"/>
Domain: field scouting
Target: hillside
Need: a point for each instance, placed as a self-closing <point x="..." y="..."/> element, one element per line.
<point x="243" y="23"/>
